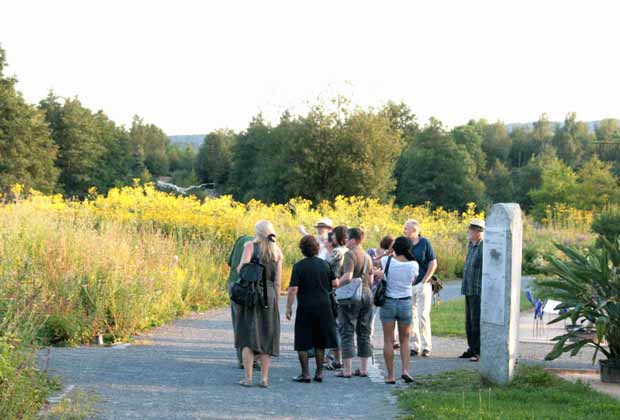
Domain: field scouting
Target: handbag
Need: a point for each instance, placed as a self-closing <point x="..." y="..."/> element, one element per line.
<point x="380" y="296"/>
<point x="353" y="290"/>
<point x="332" y="300"/>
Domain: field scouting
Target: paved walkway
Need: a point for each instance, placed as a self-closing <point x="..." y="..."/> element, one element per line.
<point x="187" y="370"/>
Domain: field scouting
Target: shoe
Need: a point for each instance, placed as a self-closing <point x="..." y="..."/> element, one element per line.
<point x="396" y="346"/>
<point x="264" y="384"/>
<point x="318" y="379"/>
<point x="426" y="353"/>
<point x="301" y="379"/>
<point x="475" y="358"/>
<point x="466" y="355"/>
<point x="342" y="375"/>
<point x="407" y="378"/>
<point x="336" y="365"/>
<point x="390" y="382"/>
<point x="413" y="353"/>
<point x="360" y="374"/>
<point x="245" y="383"/>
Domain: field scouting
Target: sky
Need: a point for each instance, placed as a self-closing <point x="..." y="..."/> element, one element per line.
<point x="195" y="66"/>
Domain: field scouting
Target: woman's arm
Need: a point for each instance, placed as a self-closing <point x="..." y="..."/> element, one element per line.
<point x="344" y="279"/>
<point x="248" y="249"/>
<point x="278" y="280"/>
<point x="292" y="295"/>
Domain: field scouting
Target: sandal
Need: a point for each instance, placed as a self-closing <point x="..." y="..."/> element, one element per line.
<point x="318" y="379"/>
<point x="360" y="374"/>
<point x="245" y="383"/>
<point x="301" y="379"/>
<point x="390" y="382"/>
<point x="264" y="384"/>
<point x="407" y="378"/>
<point x="342" y="375"/>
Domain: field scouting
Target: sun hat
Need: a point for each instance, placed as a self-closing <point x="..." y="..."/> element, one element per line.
<point x="477" y="223"/>
<point x="325" y="222"/>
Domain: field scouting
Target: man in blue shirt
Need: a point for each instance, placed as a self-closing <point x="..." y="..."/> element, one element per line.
<point x="422" y="298"/>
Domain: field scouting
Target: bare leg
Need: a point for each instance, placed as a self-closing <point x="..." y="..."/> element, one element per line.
<point x="364" y="365"/>
<point x="388" y="349"/>
<point x="338" y="356"/>
<point x="320" y="356"/>
<point x="265" y="359"/>
<point x="404" y="331"/>
<point x="248" y="363"/>
<point x="347" y="367"/>
<point x="303" y="361"/>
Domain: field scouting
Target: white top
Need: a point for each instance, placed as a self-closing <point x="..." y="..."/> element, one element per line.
<point x="400" y="277"/>
<point x="323" y="253"/>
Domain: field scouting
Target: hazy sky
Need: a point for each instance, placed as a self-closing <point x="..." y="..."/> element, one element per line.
<point x="193" y="66"/>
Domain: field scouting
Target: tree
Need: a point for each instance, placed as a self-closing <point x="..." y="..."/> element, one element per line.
<point x="150" y="146"/>
<point x="597" y="186"/>
<point x="527" y="142"/>
<point x="558" y="186"/>
<point x="608" y="131"/>
<point x="529" y="177"/>
<point x="469" y="137"/>
<point x="439" y="171"/>
<point x="573" y="141"/>
<point x="27" y="151"/>
<point x="214" y="159"/>
<point x="498" y="182"/>
<point x="496" y="142"/>
<point x="77" y="132"/>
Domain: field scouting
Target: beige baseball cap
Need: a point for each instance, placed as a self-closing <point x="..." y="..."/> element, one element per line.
<point x="477" y="223"/>
<point x="325" y="222"/>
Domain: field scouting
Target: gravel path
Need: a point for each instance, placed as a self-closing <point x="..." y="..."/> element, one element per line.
<point x="187" y="370"/>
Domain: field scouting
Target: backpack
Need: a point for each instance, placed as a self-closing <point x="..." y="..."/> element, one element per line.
<point x="380" y="296"/>
<point x="246" y="290"/>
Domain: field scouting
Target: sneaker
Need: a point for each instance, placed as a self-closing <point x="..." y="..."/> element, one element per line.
<point x="413" y="353"/>
<point x="426" y="353"/>
<point x="475" y="358"/>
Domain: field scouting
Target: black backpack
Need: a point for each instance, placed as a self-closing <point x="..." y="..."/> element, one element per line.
<point x="246" y="290"/>
<point x="380" y="297"/>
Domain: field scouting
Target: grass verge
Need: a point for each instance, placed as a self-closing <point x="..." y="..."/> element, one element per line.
<point x="534" y="394"/>
<point x="448" y="318"/>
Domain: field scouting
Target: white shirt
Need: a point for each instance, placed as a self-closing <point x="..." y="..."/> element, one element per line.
<point x="400" y="277"/>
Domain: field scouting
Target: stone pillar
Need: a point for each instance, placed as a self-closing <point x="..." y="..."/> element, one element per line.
<point x="501" y="292"/>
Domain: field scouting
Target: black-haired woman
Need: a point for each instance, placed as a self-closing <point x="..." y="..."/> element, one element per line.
<point x="315" y="328"/>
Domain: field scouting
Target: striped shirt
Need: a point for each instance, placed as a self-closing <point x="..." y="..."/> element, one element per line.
<point x="472" y="272"/>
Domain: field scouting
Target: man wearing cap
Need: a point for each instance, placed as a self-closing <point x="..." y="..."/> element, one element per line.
<point x="323" y="227"/>
<point x="472" y="284"/>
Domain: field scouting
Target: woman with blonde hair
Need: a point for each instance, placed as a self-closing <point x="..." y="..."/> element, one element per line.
<point x="258" y="327"/>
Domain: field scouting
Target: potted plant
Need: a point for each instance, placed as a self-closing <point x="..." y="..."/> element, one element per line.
<point x="587" y="282"/>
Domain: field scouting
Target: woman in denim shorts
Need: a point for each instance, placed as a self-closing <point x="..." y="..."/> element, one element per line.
<point x="400" y="271"/>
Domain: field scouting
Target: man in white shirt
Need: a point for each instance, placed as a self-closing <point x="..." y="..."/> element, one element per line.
<point x="323" y="227"/>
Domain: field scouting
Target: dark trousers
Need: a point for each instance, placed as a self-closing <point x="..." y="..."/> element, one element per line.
<point x="472" y="323"/>
<point x="233" y="315"/>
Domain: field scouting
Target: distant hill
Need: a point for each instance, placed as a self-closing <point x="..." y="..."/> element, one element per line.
<point x="193" y="140"/>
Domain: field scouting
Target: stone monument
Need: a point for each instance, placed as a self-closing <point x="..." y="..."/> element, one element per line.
<point x="501" y="292"/>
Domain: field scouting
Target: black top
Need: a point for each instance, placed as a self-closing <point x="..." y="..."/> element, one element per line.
<point x="314" y="279"/>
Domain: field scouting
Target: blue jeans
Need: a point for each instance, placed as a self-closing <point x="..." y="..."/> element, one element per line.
<point x="397" y="310"/>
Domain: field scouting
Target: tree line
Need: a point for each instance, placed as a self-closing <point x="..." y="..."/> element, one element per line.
<point x="58" y="145"/>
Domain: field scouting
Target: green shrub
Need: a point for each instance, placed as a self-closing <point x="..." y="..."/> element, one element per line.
<point x="607" y="224"/>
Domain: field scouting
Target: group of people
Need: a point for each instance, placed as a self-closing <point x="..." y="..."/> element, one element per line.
<point x="334" y="286"/>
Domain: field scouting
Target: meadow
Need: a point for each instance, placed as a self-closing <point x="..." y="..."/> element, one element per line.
<point x="113" y="265"/>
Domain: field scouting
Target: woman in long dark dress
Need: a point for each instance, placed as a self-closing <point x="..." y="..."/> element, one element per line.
<point x="257" y="331"/>
<point x="315" y="328"/>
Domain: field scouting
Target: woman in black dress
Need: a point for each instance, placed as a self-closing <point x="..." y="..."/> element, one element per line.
<point x="315" y="327"/>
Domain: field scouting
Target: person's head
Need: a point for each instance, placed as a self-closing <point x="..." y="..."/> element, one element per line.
<point x="340" y="235"/>
<point x="402" y="247"/>
<point x="355" y="237"/>
<point x="266" y="238"/>
<point x="385" y="246"/>
<point x="309" y="246"/>
<point x="323" y="227"/>
<point x="330" y="244"/>
<point x="475" y="231"/>
<point x="412" y="229"/>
